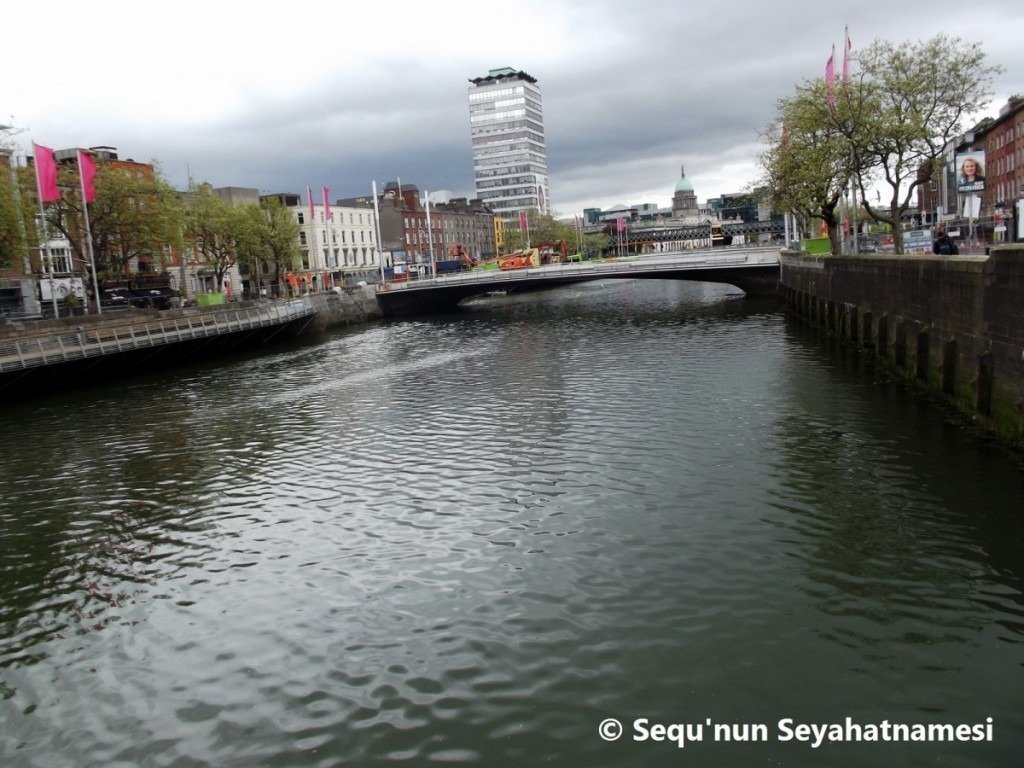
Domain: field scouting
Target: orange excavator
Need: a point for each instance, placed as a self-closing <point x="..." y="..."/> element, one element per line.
<point x="544" y="252"/>
<point x="521" y="259"/>
<point x="458" y="251"/>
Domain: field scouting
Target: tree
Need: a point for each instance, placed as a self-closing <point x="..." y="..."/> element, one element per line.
<point x="211" y="230"/>
<point x="133" y="219"/>
<point x="914" y="99"/>
<point x="808" y="162"/>
<point x="280" y="238"/>
<point x="16" y="200"/>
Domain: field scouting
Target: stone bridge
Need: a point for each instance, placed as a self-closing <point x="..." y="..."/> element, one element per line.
<point x="755" y="270"/>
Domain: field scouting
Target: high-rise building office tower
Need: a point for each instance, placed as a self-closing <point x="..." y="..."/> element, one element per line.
<point x="510" y="159"/>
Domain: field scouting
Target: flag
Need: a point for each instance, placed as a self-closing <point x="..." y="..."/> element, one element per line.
<point x="309" y="199"/>
<point x="522" y="220"/>
<point x="327" y="206"/>
<point x="46" y="173"/>
<point x="847" y="47"/>
<point x="622" y="224"/>
<point x="87" y="170"/>
<point x="830" y="78"/>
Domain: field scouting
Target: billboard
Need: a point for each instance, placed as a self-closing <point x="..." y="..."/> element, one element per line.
<point x="970" y="172"/>
<point x="60" y="287"/>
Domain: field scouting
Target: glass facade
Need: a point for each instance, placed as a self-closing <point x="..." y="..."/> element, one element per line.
<point x="510" y="163"/>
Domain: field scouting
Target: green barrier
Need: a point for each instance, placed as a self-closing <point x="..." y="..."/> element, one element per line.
<point x="209" y="299"/>
<point x="817" y="246"/>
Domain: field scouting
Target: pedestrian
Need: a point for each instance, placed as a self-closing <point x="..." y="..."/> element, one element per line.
<point x="943" y="245"/>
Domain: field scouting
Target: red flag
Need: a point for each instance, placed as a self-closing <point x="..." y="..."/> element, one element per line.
<point x="87" y="170"/>
<point x="327" y="206"/>
<point x="846" y="58"/>
<point x="830" y="78"/>
<point x="522" y="220"/>
<point x="622" y="223"/>
<point x="309" y="199"/>
<point x="46" y="173"/>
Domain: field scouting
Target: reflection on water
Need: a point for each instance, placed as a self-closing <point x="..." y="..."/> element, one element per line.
<point x="473" y="538"/>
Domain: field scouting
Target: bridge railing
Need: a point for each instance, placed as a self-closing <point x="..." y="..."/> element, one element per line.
<point x="95" y="340"/>
<point x="651" y="262"/>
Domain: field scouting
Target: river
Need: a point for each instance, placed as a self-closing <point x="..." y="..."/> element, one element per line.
<point x="478" y="539"/>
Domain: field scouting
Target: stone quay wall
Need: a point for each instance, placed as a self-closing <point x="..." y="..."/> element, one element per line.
<point x="952" y="325"/>
<point x="347" y="305"/>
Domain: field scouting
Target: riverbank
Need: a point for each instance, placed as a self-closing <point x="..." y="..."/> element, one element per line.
<point x="69" y="352"/>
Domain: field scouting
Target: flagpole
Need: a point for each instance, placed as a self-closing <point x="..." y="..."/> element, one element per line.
<point x="430" y="237"/>
<point x="329" y="220"/>
<point x="88" y="236"/>
<point x="376" y="224"/>
<point x="45" y="246"/>
<point x="313" y="247"/>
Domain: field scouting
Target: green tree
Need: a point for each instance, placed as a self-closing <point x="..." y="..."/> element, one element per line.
<point x="281" y="238"/>
<point x="914" y="99"/>
<point x="133" y="217"/>
<point x="889" y="122"/>
<point x="15" y="195"/>
<point x="16" y="205"/>
<point x="211" y="227"/>
<point x="545" y="226"/>
<point x="808" y="161"/>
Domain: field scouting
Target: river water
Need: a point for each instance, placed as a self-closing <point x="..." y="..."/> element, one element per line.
<point x="475" y="539"/>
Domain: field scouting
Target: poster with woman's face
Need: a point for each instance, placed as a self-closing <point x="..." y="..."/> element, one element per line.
<point x="970" y="172"/>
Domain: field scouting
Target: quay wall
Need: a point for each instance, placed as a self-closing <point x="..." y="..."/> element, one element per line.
<point x="351" y="304"/>
<point x="951" y="325"/>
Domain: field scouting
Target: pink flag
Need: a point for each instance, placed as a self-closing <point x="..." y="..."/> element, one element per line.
<point x="830" y="78"/>
<point x="522" y="220"/>
<point x="846" y="58"/>
<point x="327" y="206"/>
<point x="622" y="224"/>
<point x="309" y="199"/>
<point x="46" y="173"/>
<point x="87" y="170"/>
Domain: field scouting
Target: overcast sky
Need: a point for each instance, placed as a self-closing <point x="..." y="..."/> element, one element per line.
<point x="280" y="95"/>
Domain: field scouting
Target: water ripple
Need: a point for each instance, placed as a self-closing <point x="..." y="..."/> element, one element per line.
<point x="471" y="539"/>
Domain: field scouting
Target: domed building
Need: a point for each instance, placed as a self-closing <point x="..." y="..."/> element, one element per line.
<point x="684" y="201"/>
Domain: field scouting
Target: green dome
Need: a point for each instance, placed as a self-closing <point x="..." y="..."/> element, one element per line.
<point x="683" y="185"/>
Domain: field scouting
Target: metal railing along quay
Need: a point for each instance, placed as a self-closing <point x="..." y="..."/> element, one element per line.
<point x="94" y="340"/>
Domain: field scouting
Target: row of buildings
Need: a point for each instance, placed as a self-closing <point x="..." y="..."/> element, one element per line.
<point x="344" y="240"/>
<point x="996" y="145"/>
<point x="338" y="242"/>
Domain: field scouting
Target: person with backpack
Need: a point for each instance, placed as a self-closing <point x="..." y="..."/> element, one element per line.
<point x="944" y="246"/>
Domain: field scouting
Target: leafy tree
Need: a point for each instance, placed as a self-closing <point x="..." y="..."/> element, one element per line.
<point x="212" y="230"/>
<point x="16" y="206"/>
<point x="544" y="226"/>
<point x="892" y="120"/>
<point x="280" y="238"/>
<point x="134" y="217"/>
<point x="809" y="162"/>
<point x="915" y="99"/>
<point x="17" y="199"/>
